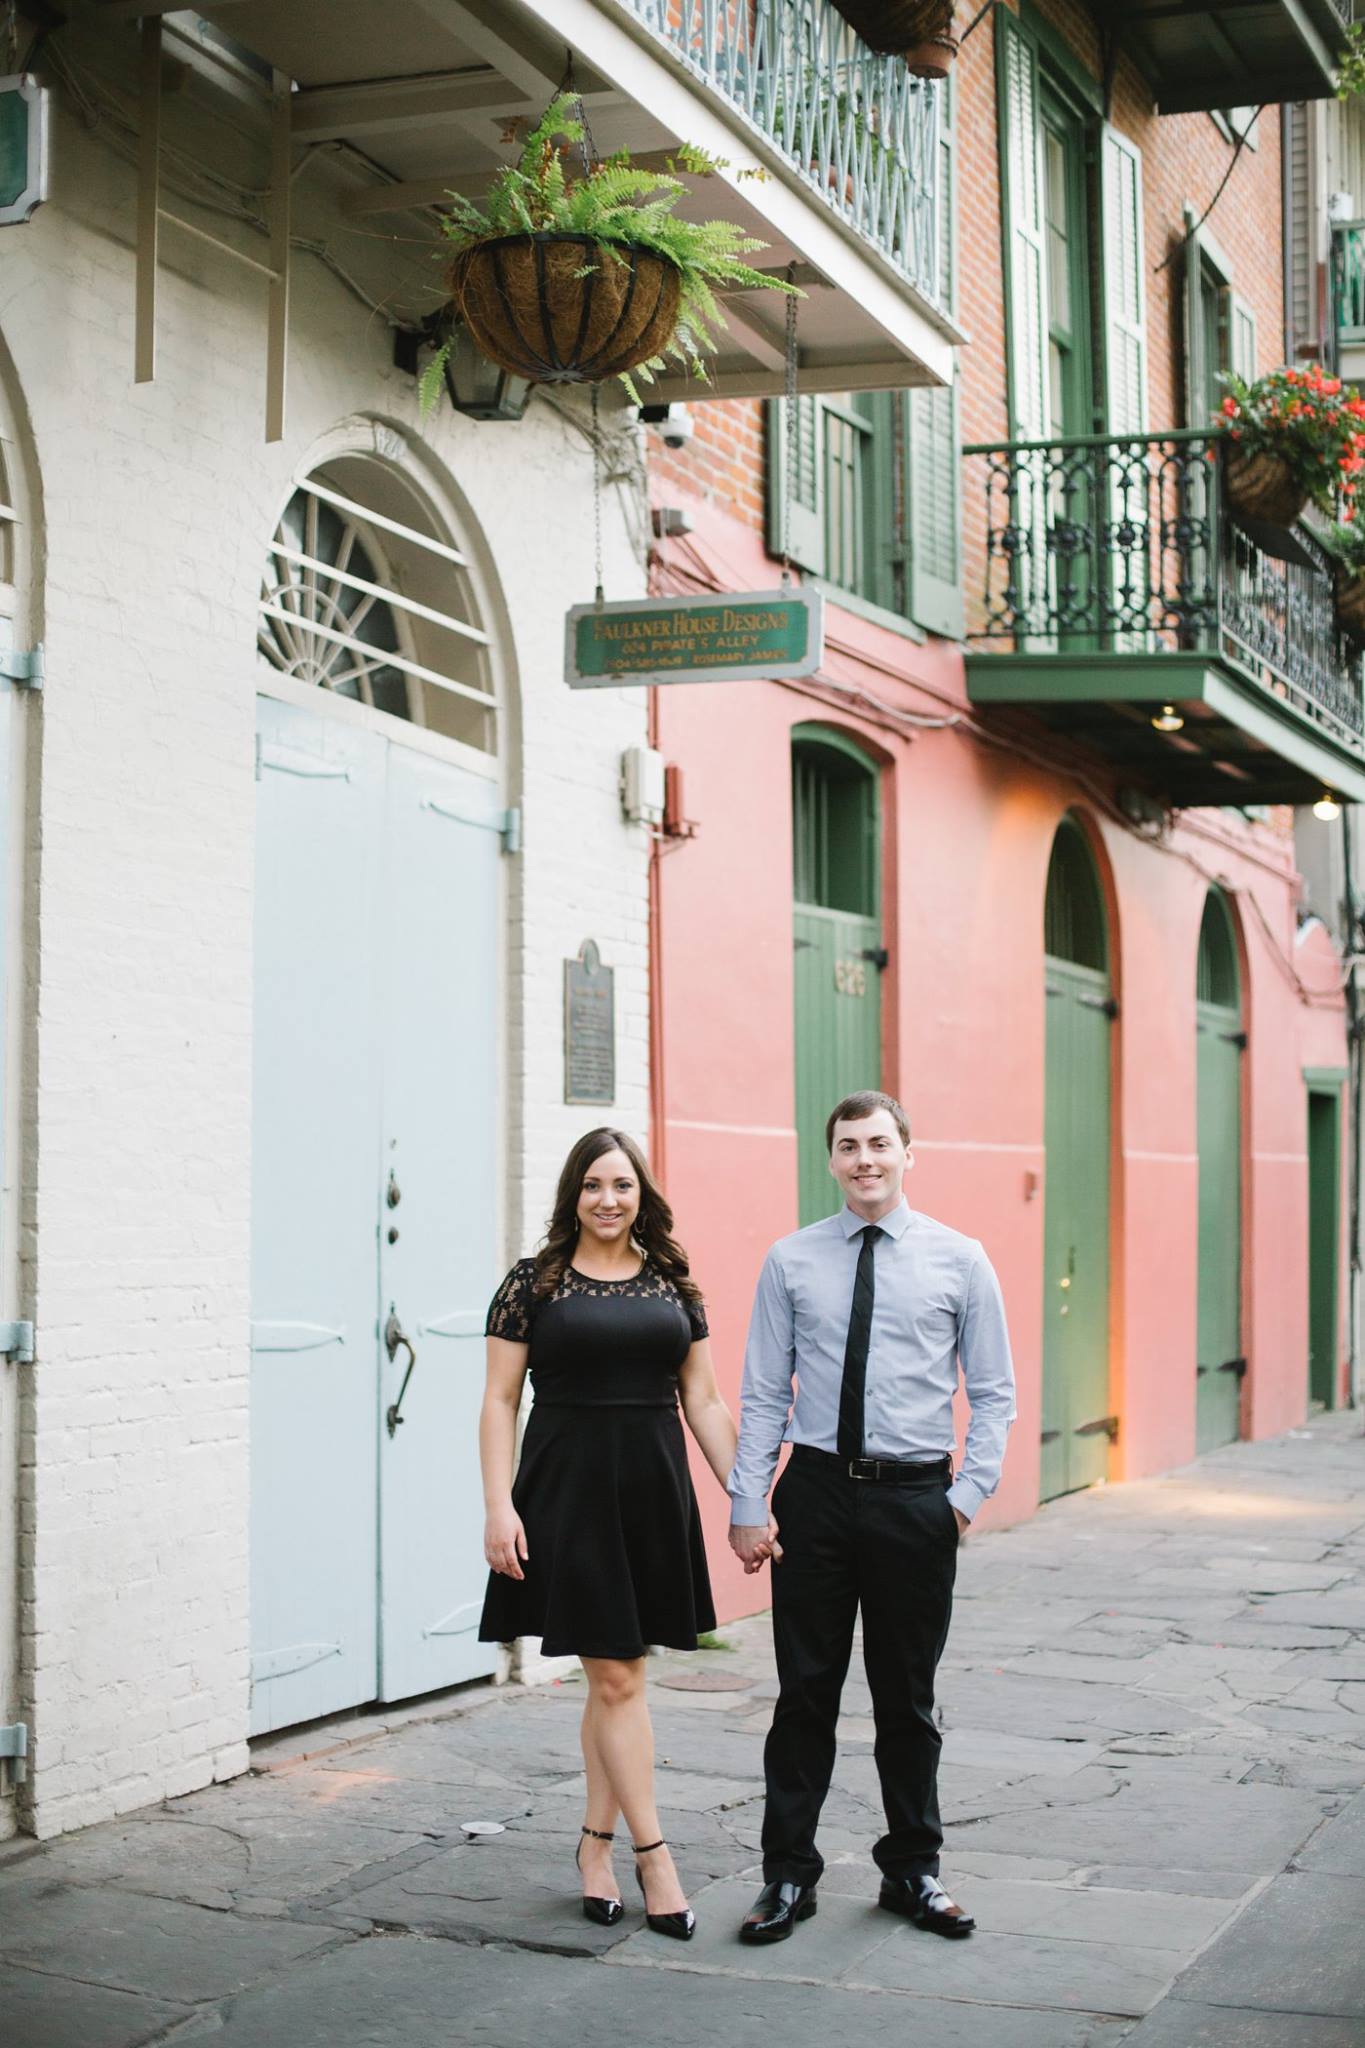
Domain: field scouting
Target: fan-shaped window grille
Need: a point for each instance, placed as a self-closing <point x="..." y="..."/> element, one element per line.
<point x="1218" y="979"/>
<point x="363" y="596"/>
<point x="1073" y="917"/>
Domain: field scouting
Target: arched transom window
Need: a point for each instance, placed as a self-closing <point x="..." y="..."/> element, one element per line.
<point x="364" y="596"/>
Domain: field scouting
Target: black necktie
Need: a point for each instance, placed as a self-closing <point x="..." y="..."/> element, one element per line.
<point x="854" y="1385"/>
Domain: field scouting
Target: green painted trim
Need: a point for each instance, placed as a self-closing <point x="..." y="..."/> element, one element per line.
<point x="1061" y="59"/>
<point x="864" y="608"/>
<point x="1325" y="1080"/>
<point x="1088" y="678"/>
<point x="813" y="733"/>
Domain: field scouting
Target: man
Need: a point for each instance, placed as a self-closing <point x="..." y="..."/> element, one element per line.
<point x="868" y="1314"/>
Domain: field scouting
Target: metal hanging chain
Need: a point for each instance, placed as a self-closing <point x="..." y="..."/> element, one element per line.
<point x="9" y="58"/>
<point x="791" y="427"/>
<point x="568" y="85"/>
<point x="598" y="598"/>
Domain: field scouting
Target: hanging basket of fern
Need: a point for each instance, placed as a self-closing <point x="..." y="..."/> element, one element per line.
<point x="920" y="31"/>
<point x="574" y="269"/>
<point x="565" y="309"/>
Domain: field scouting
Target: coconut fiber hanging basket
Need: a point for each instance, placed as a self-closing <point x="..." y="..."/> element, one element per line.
<point x="1349" y="591"/>
<point x="565" y="309"/>
<point x="920" y="31"/>
<point x="1263" y="486"/>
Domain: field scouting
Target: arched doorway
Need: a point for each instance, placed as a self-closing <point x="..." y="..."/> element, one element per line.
<point x="374" y="1247"/>
<point x="836" y="886"/>
<point x="1077" y="1426"/>
<point x="1219" y="1363"/>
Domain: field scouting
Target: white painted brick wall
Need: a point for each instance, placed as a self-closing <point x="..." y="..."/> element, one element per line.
<point x="159" y="503"/>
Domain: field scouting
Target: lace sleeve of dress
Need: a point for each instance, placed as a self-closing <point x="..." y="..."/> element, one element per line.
<point x="696" y="1316"/>
<point x="509" y="1312"/>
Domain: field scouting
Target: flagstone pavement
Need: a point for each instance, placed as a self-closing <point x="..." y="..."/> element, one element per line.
<point x="1153" y="1707"/>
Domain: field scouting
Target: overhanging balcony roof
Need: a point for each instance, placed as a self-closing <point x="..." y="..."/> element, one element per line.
<point x="830" y="152"/>
<point x="1243" y="52"/>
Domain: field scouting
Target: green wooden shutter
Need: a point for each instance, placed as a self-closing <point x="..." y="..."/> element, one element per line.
<point x="932" y="440"/>
<point x="1125" y="320"/>
<point x="797" y="527"/>
<point x="1241" y="336"/>
<point x="1025" y="267"/>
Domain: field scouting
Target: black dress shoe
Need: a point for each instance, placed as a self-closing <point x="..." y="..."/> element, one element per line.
<point x="923" y="1900"/>
<point x="776" y="1911"/>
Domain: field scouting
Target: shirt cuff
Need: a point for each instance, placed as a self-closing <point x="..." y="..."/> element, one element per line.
<point x="748" y="1512"/>
<point x="967" y="1497"/>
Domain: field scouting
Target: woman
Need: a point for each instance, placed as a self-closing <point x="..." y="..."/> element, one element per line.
<point x="597" y="1547"/>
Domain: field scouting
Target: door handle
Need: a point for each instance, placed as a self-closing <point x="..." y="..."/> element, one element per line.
<point x="394" y="1340"/>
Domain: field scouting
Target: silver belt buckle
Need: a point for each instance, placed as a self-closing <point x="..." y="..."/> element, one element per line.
<point x="853" y="1463"/>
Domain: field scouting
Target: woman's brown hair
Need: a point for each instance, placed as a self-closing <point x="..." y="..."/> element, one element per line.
<point x="652" y="1230"/>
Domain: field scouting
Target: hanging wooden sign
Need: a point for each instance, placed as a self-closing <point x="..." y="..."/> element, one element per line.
<point x="732" y="637"/>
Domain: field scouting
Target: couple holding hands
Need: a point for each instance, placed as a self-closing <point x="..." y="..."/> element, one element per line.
<point x="859" y="1326"/>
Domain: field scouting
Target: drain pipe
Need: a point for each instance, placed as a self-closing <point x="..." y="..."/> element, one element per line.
<point x="1353" y="1104"/>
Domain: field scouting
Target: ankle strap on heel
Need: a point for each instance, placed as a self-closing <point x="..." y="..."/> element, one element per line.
<point x="597" y="1834"/>
<point x="644" y="1848"/>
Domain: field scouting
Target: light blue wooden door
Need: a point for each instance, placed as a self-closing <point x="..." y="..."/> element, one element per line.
<point x="314" y="1553"/>
<point x="439" y="1232"/>
<point x="375" y="1215"/>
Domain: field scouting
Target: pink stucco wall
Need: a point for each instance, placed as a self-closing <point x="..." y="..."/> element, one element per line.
<point x="969" y="827"/>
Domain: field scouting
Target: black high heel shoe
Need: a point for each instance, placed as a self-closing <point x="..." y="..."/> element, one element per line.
<point x="679" y="1926"/>
<point x="603" y="1912"/>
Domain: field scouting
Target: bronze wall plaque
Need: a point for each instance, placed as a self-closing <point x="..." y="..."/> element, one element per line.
<point x="589" y="1028"/>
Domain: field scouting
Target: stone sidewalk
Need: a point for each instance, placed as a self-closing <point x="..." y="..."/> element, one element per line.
<point x="1154" y="1716"/>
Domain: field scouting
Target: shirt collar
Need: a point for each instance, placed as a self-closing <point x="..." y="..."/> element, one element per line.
<point x="894" y="1224"/>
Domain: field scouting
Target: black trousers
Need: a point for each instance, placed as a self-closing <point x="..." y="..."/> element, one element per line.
<point x="889" y="1547"/>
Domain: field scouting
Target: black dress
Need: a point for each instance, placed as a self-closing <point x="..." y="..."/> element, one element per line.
<point x="616" y="1555"/>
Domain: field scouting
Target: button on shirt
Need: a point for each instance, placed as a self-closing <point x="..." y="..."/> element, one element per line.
<point x="937" y="1305"/>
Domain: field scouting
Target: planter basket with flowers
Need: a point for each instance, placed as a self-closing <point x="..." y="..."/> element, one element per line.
<point x="1346" y="544"/>
<point x="568" y="280"/>
<point x="920" y="31"/>
<point x="1292" y="438"/>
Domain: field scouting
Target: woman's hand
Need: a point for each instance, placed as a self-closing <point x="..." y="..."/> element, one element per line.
<point x="504" y="1542"/>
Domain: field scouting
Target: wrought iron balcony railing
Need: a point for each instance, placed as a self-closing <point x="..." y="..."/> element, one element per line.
<point x="1125" y="546"/>
<point x="1348" y="282"/>
<point x="860" y="130"/>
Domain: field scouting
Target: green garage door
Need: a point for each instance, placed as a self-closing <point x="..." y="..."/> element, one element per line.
<point x="1080" y="1011"/>
<point x="836" y="847"/>
<point x="1218" y="1021"/>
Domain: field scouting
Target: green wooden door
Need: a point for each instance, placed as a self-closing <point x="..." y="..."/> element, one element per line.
<point x="1324" y="1171"/>
<point x="1218" y="1021"/>
<point x="837" y="938"/>
<point x="1076" y="1420"/>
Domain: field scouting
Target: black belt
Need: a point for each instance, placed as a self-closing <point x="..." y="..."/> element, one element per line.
<point x="889" y="1471"/>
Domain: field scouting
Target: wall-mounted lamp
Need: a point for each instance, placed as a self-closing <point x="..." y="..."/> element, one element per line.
<point x="479" y="389"/>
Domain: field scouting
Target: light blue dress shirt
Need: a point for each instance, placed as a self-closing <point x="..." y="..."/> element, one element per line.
<point x="937" y="1304"/>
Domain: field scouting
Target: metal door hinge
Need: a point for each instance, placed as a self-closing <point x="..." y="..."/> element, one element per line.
<point x="14" y="1750"/>
<point x="1237" y="1365"/>
<point x="1107" y="1425"/>
<point x="879" y="956"/>
<point x="507" y="824"/>
<point x="1106" y="1003"/>
<point x="16" y="1342"/>
<point x="25" y="669"/>
<point x="1049" y="1436"/>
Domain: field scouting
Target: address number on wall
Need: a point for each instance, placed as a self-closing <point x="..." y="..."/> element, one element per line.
<point x="850" y="977"/>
